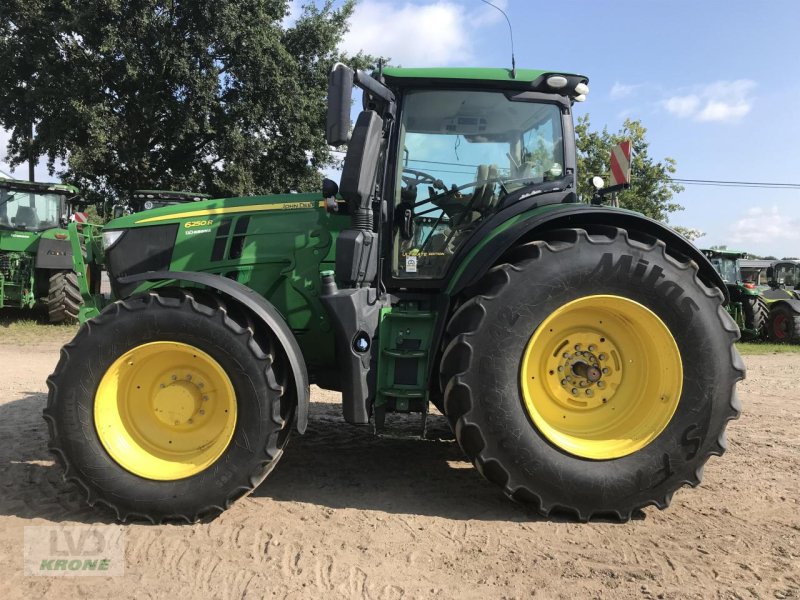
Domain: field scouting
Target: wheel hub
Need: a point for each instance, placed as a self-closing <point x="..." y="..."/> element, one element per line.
<point x="587" y="370"/>
<point x="178" y="403"/>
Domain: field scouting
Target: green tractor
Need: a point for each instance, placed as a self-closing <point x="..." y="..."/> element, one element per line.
<point x="783" y="298"/>
<point x="747" y="306"/>
<point x="581" y="353"/>
<point x="149" y="199"/>
<point x="36" y="267"/>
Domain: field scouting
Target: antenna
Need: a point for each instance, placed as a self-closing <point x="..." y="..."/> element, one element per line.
<point x="511" y="33"/>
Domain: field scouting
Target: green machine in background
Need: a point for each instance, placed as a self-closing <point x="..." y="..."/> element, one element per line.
<point x="747" y="305"/>
<point x="36" y="267"/>
<point x="149" y="199"/>
<point x="580" y="353"/>
<point x="783" y="297"/>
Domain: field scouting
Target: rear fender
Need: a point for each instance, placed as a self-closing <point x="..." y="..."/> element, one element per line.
<point x="261" y="308"/>
<point x="489" y="251"/>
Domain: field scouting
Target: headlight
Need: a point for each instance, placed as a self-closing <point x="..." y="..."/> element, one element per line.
<point x="148" y="205"/>
<point x="111" y="237"/>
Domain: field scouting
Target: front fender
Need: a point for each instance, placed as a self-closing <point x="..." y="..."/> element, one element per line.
<point x="485" y="252"/>
<point x="263" y="310"/>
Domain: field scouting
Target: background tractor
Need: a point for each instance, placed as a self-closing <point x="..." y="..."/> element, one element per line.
<point x="148" y="199"/>
<point x="747" y="306"/>
<point x="783" y="298"/>
<point x="36" y="267"/>
<point x="580" y="353"/>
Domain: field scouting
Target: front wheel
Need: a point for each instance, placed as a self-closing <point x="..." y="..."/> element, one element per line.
<point x="592" y="373"/>
<point x="64" y="298"/>
<point x="169" y="406"/>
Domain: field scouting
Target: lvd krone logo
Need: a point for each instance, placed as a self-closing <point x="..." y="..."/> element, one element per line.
<point x="80" y="550"/>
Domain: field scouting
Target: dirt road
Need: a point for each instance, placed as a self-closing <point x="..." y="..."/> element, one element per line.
<point x="349" y="516"/>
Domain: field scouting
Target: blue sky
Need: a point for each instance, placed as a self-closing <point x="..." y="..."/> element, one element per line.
<point x="716" y="82"/>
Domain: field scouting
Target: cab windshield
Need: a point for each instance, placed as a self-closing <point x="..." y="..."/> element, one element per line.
<point x="728" y="269"/>
<point x="30" y="211"/>
<point x="462" y="153"/>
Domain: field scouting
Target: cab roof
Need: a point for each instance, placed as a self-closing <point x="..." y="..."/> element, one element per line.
<point x="37" y="186"/>
<point x="525" y="78"/>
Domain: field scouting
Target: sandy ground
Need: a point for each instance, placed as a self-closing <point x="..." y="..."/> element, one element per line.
<point x="346" y="515"/>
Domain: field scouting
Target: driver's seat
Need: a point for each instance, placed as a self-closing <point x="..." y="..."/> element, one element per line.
<point x="26" y="217"/>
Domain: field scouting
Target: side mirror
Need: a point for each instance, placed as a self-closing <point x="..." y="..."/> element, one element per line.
<point x="329" y="188"/>
<point x="340" y="91"/>
<point x="118" y="211"/>
<point x="770" y="275"/>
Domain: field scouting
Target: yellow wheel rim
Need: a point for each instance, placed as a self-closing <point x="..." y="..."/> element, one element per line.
<point x="165" y="411"/>
<point x="601" y="377"/>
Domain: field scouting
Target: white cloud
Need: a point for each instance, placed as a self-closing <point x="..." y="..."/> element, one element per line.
<point x="623" y="90"/>
<point x="722" y="101"/>
<point x="410" y="34"/>
<point x="761" y="224"/>
<point x="682" y="106"/>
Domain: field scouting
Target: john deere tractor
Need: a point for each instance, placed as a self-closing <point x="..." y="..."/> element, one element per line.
<point x="581" y="354"/>
<point x="783" y="298"/>
<point x="35" y="254"/>
<point x="747" y="306"/>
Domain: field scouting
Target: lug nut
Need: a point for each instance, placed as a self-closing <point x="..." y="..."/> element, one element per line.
<point x="601" y="384"/>
<point x="162" y="386"/>
<point x="602" y="357"/>
<point x="205" y="398"/>
<point x="588" y="392"/>
<point x="174" y="378"/>
<point x="606" y="370"/>
<point x="563" y="382"/>
<point x="592" y="348"/>
<point x="574" y="391"/>
<point x="201" y="412"/>
<point x="188" y="378"/>
<point x="577" y="347"/>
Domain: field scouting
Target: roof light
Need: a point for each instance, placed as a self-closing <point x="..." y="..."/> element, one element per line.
<point x="582" y="89"/>
<point x="580" y="98"/>
<point x="557" y="81"/>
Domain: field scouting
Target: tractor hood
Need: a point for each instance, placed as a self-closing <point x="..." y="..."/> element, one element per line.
<point x="209" y="211"/>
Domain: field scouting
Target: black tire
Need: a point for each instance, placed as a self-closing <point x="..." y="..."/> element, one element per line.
<point x="63" y="297"/>
<point x="257" y="369"/>
<point x="783" y="325"/>
<point x="482" y="394"/>
<point x="756" y="314"/>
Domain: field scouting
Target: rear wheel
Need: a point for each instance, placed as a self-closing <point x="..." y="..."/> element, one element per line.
<point x="591" y="373"/>
<point x="169" y="406"/>
<point x="63" y="297"/>
<point x="783" y="326"/>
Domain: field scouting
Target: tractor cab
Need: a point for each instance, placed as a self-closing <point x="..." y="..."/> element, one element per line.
<point x="454" y="154"/>
<point x="34" y="207"/>
<point x="784" y="276"/>
<point x="728" y="264"/>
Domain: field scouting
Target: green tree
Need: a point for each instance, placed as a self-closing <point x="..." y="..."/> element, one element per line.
<point x="651" y="188"/>
<point x="216" y="96"/>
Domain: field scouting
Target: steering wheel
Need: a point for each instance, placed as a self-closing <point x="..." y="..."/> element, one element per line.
<point x="421" y="177"/>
